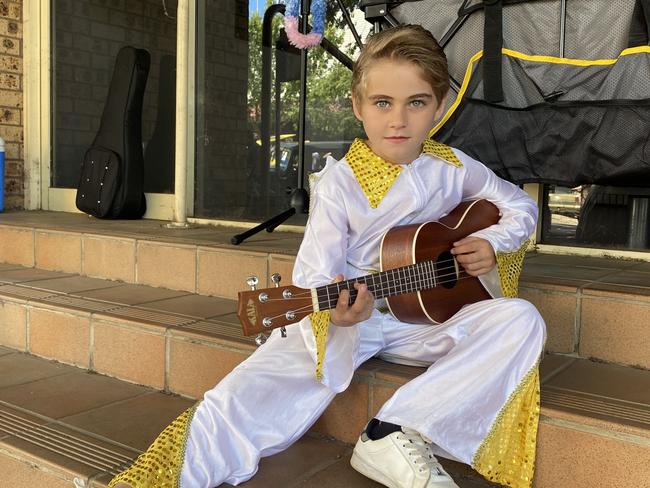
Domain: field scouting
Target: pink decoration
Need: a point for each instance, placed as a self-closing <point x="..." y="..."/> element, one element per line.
<point x="301" y="41"/>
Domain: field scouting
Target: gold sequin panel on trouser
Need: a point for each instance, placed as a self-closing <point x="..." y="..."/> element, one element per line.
<point x="507" y="455"/>
<point x="160" y="465"/>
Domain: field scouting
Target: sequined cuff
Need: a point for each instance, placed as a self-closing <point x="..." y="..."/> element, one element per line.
<point x="320" y="322"/>
<point x="509" y="266"/>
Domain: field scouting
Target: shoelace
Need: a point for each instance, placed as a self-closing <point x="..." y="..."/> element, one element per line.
<point x="419" y="451"/>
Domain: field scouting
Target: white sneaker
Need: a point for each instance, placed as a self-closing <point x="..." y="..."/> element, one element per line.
<point x="400" y="460"/>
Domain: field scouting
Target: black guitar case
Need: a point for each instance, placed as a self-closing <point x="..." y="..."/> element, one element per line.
<point x="111" y="184"/>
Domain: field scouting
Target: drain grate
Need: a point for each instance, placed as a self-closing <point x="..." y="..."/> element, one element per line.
<point x="621" y="411"/>
<point x="229" y="331"/>
<point x="17" y="291"/>
<point x="80" y="303"/>
<point x="150" y="316"/>
<point x="70" y="445"/>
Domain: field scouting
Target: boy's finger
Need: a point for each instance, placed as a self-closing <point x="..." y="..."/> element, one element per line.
<point x="342" y="303"/>
<point x="462" y="249"/>
<point x="362" y="297"/>
<point x="465" y="240"/>
<point x="466" y="259"/>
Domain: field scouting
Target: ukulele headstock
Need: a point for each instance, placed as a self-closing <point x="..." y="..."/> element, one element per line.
<point x="261" y="311"/>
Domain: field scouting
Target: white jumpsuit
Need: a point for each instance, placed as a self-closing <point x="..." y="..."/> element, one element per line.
<point x="477" y="361"/>
<point x="477" y="358"/>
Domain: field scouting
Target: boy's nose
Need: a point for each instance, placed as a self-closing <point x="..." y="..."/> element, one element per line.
<point x="398" y="118"/>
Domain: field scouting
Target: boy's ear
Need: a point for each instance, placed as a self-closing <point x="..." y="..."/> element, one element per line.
<point x="441" y="107"/>
<point x="355" y="108"/>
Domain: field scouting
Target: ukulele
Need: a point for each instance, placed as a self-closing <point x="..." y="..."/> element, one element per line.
<point x="420" y="278"/>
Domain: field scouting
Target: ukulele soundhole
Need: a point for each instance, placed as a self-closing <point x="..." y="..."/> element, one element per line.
<point x="446" y="270"/>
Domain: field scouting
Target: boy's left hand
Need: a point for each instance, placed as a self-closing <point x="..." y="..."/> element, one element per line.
<point x="475" y="255"/>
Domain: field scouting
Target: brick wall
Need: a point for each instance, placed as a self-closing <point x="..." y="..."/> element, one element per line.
<point x="11" y="100"/>
<point x="222" y="154"/>
<point x="88" y="35"/>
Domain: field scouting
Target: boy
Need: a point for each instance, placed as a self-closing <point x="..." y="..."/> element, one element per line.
<point x="478" y="400"/>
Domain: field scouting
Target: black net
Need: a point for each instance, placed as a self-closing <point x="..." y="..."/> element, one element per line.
<point x="563" y="122"/>
<point x="559" y="123"/>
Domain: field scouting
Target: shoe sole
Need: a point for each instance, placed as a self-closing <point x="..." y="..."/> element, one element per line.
<point x="370" y="472"/>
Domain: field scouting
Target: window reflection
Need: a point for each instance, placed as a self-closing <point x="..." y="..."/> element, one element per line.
<point x="596" y="216"/>
<point x="233" y="179"/>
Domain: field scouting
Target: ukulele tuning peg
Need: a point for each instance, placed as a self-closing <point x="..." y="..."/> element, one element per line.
<point x="275" y="278"/>
<point x="252" y="281"/>
<point x="260" y="339"/>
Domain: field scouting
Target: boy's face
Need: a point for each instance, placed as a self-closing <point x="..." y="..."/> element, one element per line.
<point x="397" y="109"/>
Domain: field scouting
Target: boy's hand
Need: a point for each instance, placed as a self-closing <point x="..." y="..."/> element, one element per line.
<point x="346" y="316"/>
<point x="475" y="255"/>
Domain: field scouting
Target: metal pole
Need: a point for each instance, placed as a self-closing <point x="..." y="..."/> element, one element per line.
<point x="182" y="51"/>
<point x="302" y="120"/>
<point x="348" y="20"/>
<point x="265" y="96"/>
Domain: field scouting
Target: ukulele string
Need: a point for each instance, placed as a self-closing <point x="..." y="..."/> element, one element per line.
<point x="394" y="284"/>
<point x="426" y="275"/>
<point x="354" y="293"/>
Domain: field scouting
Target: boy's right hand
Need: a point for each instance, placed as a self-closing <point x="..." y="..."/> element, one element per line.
<point x="346" y="316"/>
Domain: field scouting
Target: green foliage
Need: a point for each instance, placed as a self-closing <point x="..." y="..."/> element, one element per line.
<point x="329" y="109"/>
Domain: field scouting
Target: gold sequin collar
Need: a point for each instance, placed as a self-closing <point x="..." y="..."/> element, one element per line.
<point x="375" y="175"/>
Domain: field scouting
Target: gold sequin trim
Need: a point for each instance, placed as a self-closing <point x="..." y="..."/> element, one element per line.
<point x="509" y="268"/>
<point x="320" y="322"/>
<point x="376" y="175"/>
<point x="507" y="454"/>
<point x="441" y="151"/>
<point x="160" y="465"/>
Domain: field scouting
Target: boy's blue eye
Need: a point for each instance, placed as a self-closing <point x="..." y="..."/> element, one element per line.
<point x="382" y="104"/>
<point x="417" y="103"/>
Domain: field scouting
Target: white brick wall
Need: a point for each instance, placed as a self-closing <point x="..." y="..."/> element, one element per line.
<point x="11" y="99"/>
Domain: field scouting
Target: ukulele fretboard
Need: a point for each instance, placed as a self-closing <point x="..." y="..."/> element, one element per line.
<point x="407" y="279"/>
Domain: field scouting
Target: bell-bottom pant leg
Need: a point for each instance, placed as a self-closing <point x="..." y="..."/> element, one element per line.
<point x="480" y="356"/>
<point x="262" y="407"/>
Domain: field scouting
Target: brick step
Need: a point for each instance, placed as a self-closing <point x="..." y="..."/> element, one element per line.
<point x="594" y="307"/>
<point x="165" y="338"/>
<point x="105" y="325"/>
<point x="63" y="426"/>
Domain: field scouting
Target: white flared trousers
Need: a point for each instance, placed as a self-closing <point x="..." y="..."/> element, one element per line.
<point x="477" y="359"/>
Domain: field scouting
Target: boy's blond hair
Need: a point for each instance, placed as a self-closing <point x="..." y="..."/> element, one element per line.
<point x="411" y="43"/>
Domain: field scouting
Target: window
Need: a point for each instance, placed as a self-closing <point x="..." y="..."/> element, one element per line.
<point x="596" y="216"/>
